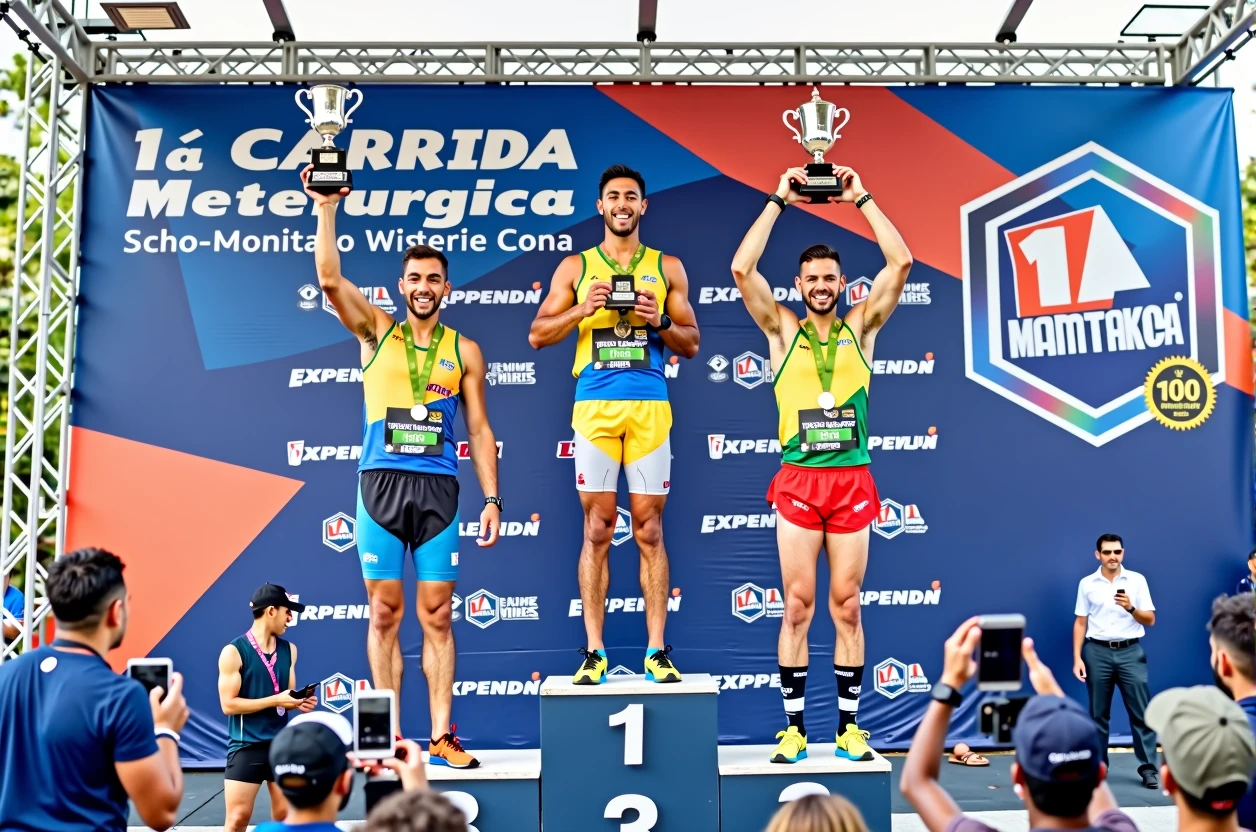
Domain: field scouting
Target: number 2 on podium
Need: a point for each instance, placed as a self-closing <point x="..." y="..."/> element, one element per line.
<point x="633" y="720"/>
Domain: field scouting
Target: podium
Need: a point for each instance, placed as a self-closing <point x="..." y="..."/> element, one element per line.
<point x="752" y="789"/>
<point x="502" y="795"/>
<point x="630" y="755"/>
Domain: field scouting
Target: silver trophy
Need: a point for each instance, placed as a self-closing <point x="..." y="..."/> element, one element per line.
<point x="329" y="119"/>
<point x="816" y="132"/>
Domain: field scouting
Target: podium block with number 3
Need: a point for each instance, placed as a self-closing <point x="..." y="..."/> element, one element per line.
<point x="630" y="755"/>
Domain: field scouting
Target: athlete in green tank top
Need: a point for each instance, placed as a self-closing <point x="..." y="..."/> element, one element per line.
<point x="824" y="495"/>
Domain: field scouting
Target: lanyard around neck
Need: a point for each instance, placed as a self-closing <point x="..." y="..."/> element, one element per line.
<point x="418" y="381"/>
<point x="825" y="364"/>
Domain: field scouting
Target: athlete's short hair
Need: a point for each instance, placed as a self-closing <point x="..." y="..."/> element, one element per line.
<point x="423" y="253"/>
<point x="82" y="585"/>
<point x="620" y="172"/>
<point x="820" y="252"/>
<point x="1233" y="625"/>
<point x="1108" y="538"/>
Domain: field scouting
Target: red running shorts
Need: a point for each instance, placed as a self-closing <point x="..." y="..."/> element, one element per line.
<point x="839" y="500"/>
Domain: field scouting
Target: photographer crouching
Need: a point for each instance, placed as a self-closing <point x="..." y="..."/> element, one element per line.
<point x="76" y="738"/>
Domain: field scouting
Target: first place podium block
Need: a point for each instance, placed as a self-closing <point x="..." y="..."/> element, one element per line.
<point x="752" y="789"/>
<point x="630" y="755"/>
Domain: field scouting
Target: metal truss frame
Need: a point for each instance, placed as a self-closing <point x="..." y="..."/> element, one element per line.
<point x="46" y="257"/>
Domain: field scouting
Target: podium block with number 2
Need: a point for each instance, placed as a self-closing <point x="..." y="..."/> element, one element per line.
<point x="630" y="755"/>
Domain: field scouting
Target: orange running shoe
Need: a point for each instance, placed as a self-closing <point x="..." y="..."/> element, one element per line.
<point x="448" y="751"/>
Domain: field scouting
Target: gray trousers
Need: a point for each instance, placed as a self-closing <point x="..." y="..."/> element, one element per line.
<point x="1124" y="668"/>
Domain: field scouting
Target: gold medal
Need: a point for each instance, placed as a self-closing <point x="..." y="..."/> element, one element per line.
<point x="826" y="400"/>
<point x="622" y="327"/>
<point x="418" y="413"/>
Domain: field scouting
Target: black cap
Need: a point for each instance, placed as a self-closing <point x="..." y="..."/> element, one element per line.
<point x="1056" y="740"/>
<point x="309" y="754"/>
<point x="273" y="595"/>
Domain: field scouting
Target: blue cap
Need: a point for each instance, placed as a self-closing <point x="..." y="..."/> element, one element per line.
<point x="1056" y="740"/>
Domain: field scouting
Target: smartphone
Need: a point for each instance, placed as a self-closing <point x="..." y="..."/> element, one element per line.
<point x="373" y="737"/>
<point x="1120" y="592"/>
<point x="305" y="692"/>
<point x="151" y="673"/>
<point x="999" y="656"/>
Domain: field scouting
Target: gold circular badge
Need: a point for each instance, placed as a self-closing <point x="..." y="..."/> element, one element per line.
<point x="1179" y="393"/>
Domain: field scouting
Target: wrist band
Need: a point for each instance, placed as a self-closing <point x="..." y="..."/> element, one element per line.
<point x="167" y="732"/>
<point x="780" y="203"/>
<point x="859" y="202"/>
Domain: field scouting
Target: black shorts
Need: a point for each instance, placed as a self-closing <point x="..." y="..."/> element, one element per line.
<point x="249" y="764"/>
<point x="400" y="511"/>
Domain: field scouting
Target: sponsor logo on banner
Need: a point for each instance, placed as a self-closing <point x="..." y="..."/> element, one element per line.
<point x="927" y="442"/>
<point x="894" y="678"/>
<point x="494" y="297"/>
<point x="299" y="452"/>
<point x="340" y="531"/>
<point x="724" y="294"/>
<point x="301" y="376"/>
<point x="904" y="367"/>
<point x="894" y="518"/>
<point x="623" y="527"/>
<point x="620" y="670"/>
<point x="917" y="682"/>
<point x="464" y="450"/>
<point x="499" y="687"/>
<point x="507" y="528"/>
<point x="671" y="368"/>
<point x="752" y="602"/>
<point x="575" y="607"/>
<point x="516" y="373"/>
<point x="1079" y="278"/>
<point x="567" y="449"/>
<point x="718" y="365"/>
<point x="484" y="609"/>
<point x="377" y="295"/>
<point x="336" y="612"/>
<point x="749" y="681"/>
<point x="902" y="597"/>
<point x="751" y="369"/>
<point x="712" y="523"/>
<point x="307" y="297"/>
<point x="336" y="693"/>
<point x="718" y="446"/>
<point x="455" y="605"/>
<point x="913" y="294"/>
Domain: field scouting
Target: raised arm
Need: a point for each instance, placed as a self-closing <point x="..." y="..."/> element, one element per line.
<point x="682" y="336"/>
<point x="559" y="313"/>
<point x="352" y="307"/>
<point x="887" y="286"/>
<point x="233" y="704"/>
<point x="754" y="288"/>
<point x="153" y="779"/>
<point x="480" y="439"/>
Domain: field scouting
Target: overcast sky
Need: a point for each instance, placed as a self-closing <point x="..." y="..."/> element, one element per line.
<point x="1048" y="21"/>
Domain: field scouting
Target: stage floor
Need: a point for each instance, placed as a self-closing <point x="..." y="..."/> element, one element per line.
<point x="975" y="789"/>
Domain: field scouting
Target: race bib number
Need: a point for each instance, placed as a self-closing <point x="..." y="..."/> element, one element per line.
<point x="828" y="430"/>
<point x="612" y="352"/>
<point x="403" y="434"/>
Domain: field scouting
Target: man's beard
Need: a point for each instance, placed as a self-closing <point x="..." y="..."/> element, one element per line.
<point x="1216" y="678"/>
<point x="632" y="224"/>
<point x="806" y="299"/>
<point x="413" y="305"/>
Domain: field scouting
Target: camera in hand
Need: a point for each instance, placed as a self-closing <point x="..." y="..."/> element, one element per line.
<point x="999" y="654"/>
<point x="997" y="716"/>
<point x="151" y="673"/>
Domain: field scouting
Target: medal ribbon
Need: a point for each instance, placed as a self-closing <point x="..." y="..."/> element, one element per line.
<point x="269" y="665"/>
<point x="824" y="366"/>
<point x="418" y="381"/>
<point x="632" y="264"/>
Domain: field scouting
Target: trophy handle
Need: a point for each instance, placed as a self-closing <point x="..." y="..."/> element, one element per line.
<point x="358" y="93"/>
<point x="837" y="128"/>
<point x="302" y="106"/>
<point x="785" y="118"/>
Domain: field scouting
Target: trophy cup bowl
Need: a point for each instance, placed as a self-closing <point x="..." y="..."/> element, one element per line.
<point x="818" y="128"/>
<point x="329" y="119"/>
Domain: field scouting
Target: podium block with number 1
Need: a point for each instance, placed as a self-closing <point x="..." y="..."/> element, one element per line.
<point x="630" y="755"/>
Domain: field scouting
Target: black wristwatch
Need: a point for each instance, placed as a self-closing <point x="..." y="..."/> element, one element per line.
<point x="497" y="501"/>
<point x="665" y="322"/>
<point x="946" y="694"/>
<point x="780" y="203"/>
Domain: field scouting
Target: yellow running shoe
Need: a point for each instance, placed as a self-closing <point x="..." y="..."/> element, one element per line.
<point x="593" y="671"/>
<point x="659" y="668"/>
<point x="792" y="747"/>
<point x="448" y="751"/>
<point x="853" y="745"/>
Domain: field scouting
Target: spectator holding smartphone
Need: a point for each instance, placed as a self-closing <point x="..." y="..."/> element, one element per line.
<point x="76" y="738"/>
<point x="13" y="602"/>
<point x="257" y="677"/>
<point x="1059" y="771"/>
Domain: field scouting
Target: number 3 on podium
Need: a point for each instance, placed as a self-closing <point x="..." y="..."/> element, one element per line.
<point x="633" y="720"/>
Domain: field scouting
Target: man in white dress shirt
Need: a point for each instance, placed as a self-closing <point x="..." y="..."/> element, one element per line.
<point x="1113" y="609"/>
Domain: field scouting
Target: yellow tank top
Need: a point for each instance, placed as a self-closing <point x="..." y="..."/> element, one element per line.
<point x="828" y="438"/>
<point x="386" y="384"/>
<point x="608" y="366"/>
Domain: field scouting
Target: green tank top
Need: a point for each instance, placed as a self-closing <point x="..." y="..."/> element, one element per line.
<point x="255" y="683"/>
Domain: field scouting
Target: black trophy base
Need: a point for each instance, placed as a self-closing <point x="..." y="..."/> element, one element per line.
<point x="623" y="294"/>
<point x="822" y="183"/>
<point x="330" y="174"/>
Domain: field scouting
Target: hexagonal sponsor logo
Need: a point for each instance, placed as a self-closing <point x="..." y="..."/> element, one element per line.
<point x="340" y="531"/>
<point x="1079" y="277"/>
<point x="891" y="678"/>
<point x="619" y="670"/>
<point x="481" y="608"/>
<point x="889" y="522"/>
<point x="751" y="369"/>
<point x="749" y="602"/>
<point x="857" y="290"/>
<point x="336" y="693"/>
<point x="623" y="527"/>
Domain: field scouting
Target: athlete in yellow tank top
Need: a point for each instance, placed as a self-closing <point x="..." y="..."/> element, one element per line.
<point x="824" y="496"/>
<point x="627" y="302"/>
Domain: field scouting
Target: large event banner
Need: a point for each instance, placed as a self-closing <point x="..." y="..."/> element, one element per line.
<point x="1070" y="356"/>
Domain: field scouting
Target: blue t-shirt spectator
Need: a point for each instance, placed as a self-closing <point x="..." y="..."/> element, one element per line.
<point x="14" y="602"/>
<point x="1247" y="803"/>
<point x="66" y="719"/>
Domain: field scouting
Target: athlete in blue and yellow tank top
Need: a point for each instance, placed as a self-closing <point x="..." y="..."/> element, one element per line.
<point x="416" y="376"/>
<point x="627" y="302"/>
<point x="824" y="495"/>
